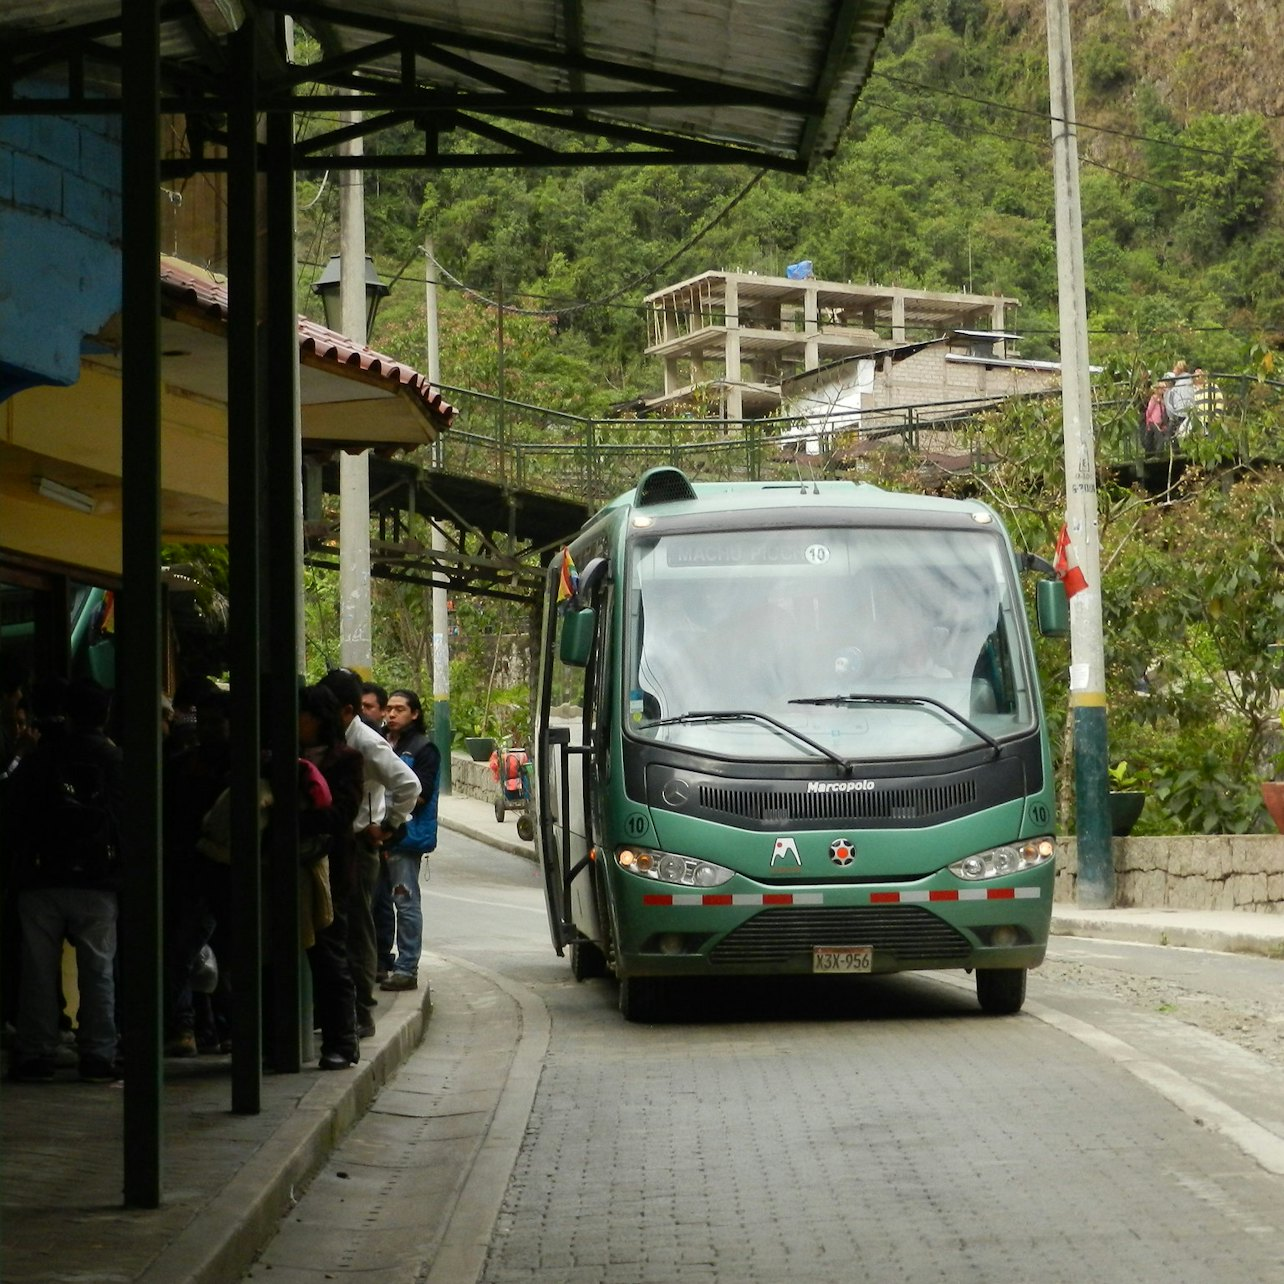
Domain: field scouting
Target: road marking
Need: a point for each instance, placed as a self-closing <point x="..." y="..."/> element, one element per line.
<point x="1257" y="1142"/>
<point x="1260" y="1144"/>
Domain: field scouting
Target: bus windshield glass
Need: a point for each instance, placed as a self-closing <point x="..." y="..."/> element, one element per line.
<point x="858" y="643"/>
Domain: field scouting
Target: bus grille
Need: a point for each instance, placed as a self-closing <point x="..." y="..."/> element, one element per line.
<point x="906" y="931"/>
<point x="913" y="802"/>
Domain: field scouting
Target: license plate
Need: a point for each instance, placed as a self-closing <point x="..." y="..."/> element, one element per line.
<point x="842" y="958"/>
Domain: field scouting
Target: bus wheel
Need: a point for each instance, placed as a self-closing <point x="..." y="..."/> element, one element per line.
<point x="525" y="828"/>
<point x="1000" y="990"/>
<point x="587" y="961"/>
<point x="641" y="998"/>
<point x="499" y="810"/>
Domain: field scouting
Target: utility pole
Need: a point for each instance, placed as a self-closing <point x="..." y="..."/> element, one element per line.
<point x="440" y="607"/>
<point x="1096" y="882"/>
<point x="355" y="649"/>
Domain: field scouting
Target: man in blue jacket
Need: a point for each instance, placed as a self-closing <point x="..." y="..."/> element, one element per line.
<point x="397" y="909"/>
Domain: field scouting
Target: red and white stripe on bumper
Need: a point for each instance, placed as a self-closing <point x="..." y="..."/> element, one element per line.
<point x="818" y="898"/>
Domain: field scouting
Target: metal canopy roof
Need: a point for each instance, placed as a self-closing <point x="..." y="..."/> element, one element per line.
<point x="532" y="82"/>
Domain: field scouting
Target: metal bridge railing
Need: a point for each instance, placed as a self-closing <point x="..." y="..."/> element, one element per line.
<point x="531" y="448"/>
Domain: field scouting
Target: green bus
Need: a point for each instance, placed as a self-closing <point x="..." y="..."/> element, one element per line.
<point x="793" y="728"/>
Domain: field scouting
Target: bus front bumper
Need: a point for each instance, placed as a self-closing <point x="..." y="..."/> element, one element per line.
<point x="994" y="924"/>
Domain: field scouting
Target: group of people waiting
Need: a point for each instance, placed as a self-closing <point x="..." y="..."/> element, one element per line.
<point x="1178" y="401"/>
<point x="382" y="774"/>
<point x="368" y="778"/>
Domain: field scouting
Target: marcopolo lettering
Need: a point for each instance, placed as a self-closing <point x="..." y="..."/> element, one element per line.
<point x="838" y="786"/>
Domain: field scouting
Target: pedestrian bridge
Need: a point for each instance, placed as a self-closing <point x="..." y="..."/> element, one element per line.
<point x="511" y="483"/>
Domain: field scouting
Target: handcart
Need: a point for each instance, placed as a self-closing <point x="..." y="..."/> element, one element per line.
<point x="511" y="768"/>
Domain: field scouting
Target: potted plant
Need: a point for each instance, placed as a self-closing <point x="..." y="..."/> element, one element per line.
<point x="1127" y="798"/>
<point x="1273" y="790"/>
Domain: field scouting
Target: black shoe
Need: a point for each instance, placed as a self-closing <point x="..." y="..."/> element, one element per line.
<point x="338" y="1060"/>
<point x="401" y="981"/>
<point x="36" y="1070"/>
<point x="365" y="1030"/>
<point x="98" y="1070"/>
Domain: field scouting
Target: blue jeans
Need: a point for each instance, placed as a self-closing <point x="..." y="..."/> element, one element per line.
<point x="87" y="918"/>
<point x="396" y="900"/>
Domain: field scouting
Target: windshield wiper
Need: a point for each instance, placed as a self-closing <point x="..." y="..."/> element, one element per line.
<point x="857" y="697"/>
<point x="748" y="715"/>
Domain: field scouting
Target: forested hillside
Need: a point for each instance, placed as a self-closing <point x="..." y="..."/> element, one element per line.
<point x="943" y="181"/>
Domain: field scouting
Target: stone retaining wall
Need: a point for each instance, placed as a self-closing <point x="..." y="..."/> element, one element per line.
<point x="471" y="779"/>
<point x="1208" y="872"/>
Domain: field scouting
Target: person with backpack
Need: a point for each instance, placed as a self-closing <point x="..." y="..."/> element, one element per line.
<point x="66" y="810"/>
<point x="398" y="912"/>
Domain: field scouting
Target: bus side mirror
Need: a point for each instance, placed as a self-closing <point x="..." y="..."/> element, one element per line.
<point x="1052" y="608"/>
<point x="577" y="637"/>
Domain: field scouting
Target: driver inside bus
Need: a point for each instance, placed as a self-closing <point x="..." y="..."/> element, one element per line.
<point x="905" y="643"/>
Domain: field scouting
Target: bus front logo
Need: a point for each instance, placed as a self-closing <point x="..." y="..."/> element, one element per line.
<point x="785" y="849"/>
<point x="842" y="851"/>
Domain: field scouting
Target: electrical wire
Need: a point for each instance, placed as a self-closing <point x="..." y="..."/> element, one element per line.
<point x="1046" y="117"/>
<point x="649" y="275"/>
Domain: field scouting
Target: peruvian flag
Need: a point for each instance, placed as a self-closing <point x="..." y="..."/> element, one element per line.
<point x="1066" y="565"/>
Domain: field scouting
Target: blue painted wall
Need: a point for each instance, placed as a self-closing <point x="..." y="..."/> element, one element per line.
<point x="60" y="237"/>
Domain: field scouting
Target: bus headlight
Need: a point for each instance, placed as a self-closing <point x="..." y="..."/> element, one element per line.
<point x="668" y="867"/>
<point x="1011" y="858"/>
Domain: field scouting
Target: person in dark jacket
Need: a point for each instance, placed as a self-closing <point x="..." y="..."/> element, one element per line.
<point x="321" y="742"/>
<point x="397" y="907"/>
<point x="67" y="806"/>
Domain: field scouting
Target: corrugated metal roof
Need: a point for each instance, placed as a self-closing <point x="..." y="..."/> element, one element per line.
<point x="775" y="80"/>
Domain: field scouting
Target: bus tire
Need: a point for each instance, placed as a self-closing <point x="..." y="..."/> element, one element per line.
<point x="587" y="961"/>
<point x="525" y="828"/>
<point x="641" y="999"/>
<point x="1000" y="990"/>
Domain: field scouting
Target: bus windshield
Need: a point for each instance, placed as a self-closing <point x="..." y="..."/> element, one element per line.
<point x="857" y="643"/>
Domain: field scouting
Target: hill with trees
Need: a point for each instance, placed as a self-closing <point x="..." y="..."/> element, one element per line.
<point x="943" y="181"/>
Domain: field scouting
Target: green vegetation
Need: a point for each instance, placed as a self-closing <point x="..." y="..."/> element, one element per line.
<point x="942" y="182"/>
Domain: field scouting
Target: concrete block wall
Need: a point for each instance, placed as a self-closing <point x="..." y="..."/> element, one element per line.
<point x="60" y="212"/>
<point x="1204" y="872"/>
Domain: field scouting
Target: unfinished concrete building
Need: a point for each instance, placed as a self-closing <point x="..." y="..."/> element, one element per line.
<point x="730" y="340"/>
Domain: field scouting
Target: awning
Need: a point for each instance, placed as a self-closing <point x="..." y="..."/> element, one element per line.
<point x="60" y="465"/>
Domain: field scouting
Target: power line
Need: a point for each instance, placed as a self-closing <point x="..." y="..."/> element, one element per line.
<point x="649" y="275"/>
<point x="1044" y="143"/>
<point x="1046" y="117"/>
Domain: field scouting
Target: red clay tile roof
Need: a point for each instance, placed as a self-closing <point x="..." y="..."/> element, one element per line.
<point x="194" y="288"/>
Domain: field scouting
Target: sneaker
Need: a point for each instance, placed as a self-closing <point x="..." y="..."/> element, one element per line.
<point x="98" y="1070"/>
<point x="401" y="981"/>
<point x="181" y="1045"/>
<point x="65" y="1058"/>
<point x="35" y="1070"/>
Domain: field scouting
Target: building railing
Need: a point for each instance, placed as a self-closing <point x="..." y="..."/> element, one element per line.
<point x="527" y="447"/>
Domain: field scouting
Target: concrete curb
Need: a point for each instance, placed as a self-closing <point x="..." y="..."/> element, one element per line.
<point x="498" y="839"/>
<point x="222" y="1241"/>
<point x="1263" y="939"/>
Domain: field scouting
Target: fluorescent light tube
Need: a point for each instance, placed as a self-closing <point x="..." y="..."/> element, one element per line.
<point x="61" y="494"/>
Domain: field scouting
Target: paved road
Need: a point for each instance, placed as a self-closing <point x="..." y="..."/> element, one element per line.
<point x="879" y="1130"/>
